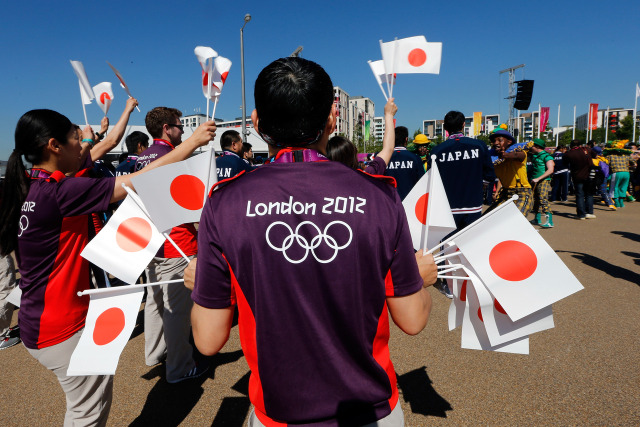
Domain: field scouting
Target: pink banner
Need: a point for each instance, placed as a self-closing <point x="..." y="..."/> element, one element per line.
<point x="544" y="118"/>
<point x="593" y="116"/>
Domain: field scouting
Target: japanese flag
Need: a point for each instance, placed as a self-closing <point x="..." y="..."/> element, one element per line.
<point x="83" y="80"/>
<point x="205" y="57"/>
<point x="121" y="79"/>
<point x="415" y="204"/>
<point x="221" y="69"/>
<point x="104" y="96"/>
<point x="126" y="244"/>
<point x="110" y="321"/>
<point x="412" y="55"/>
<point x="378" y="70"/>
<point x="175" y="194"/>
<point x="517" y="266"/>
<point x="474" y="333"/>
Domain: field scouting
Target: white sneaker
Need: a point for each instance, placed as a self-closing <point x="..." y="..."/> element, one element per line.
<point x="590" y="216"/>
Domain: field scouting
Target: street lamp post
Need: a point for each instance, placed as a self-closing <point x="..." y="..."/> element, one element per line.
<point x="247" y="18"/>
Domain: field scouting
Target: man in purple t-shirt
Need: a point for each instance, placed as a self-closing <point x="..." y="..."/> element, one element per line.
<point x="314" y="255"/>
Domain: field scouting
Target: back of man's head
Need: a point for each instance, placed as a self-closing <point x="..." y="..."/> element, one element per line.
<point x="135" y="138"/>
<point x="402" y="135"/>
<point x="158" y="117"/>
<point x="228" y="138"/>
<point x="454" y="122"/>
<point x="293" y="99"/>
<point x="576" y="143"/>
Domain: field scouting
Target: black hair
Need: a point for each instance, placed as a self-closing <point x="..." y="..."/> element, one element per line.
<point x="228" y="138"/>
<point x="576" y="143"/>
<point x="293" y="99"/>
<point x="33" y="132"/>
<point x="454" y="122"/>
<point x="135" y="138"/>
<point x="340" y="149"/>
<point x="402" y="135"/>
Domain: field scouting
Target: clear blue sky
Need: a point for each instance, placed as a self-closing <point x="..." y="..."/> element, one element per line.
<point x="576" y="51"/>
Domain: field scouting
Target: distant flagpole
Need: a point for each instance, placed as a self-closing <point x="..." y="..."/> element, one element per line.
<point x="635" y="111"/>
<point x="574" y="123"/>
<point x="606" y="125"/>
<point x="558" y="130"/>
<point x="539" y="119"/>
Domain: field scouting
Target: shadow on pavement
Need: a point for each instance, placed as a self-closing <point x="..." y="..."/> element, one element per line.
<point x="419" y="393"/>
<point x="634" y="255"/>
<point x="631" y="236"/>
<point x="169" y="404"/>
<point x="606" y="267"/>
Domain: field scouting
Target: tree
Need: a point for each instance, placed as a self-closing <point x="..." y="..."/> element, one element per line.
<point x="626" y="129"/>
<point x="416" y="133"/>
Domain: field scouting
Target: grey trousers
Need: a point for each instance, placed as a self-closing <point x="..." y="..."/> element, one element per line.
<point x="394" y="419"/>
<point x="7" y="283"/>
<point x="167" y="319"/>
<point x="89" y="397"/>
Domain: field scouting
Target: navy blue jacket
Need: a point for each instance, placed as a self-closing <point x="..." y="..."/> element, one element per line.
<point x="464" y="163"/>
<point x="229" y="164"/>
<point x="406" y="168"/>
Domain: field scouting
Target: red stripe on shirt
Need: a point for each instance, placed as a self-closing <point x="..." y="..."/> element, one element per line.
<point x="382" y="356"/>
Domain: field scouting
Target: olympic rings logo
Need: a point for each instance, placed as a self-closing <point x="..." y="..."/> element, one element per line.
<point x="23" y="224"/>
<point x="316" y="241"/>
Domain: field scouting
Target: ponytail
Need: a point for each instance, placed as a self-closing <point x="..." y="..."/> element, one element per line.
<point x="33" y="131"/>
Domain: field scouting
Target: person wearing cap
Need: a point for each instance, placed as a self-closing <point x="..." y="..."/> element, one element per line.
<point x="405" y="167"/>
<point x="423" y="147"/>
<point x="510" y="165"/>
<point x="541" y="171"/>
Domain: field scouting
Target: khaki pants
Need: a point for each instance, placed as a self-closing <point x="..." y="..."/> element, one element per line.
<point x="7" y="283"/>
<point x="88" y="397"/>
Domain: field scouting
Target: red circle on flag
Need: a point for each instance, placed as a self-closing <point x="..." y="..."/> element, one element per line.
<point x="224" y="76"/>
<point x="205" y="78"/>
<point x="108" y="326"/>
<point x="133" y="234"/>
<point x="421" y="208"/>
<point x="463" y="291"/>
<point x="417" y="57"/>
<point x="104" y="96"/>
<point x="498" y="307"/>
<point x="480" y="315"/>
<point x="513" y="261"/>
<point x="188" y="192"/>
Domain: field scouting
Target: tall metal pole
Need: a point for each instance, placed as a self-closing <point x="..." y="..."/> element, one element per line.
<point x="247" y="18"/>
<point x="539" y="119"/>
<point x="512" y="93"/>
<point x="606" y="126"/>
<point x="635" y="109"/>
<point x="558" y="130"/>
<point x="574" y="123"/>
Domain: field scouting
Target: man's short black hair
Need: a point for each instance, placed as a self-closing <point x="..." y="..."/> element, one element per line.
<point x="454" y="122"/>
<point x="576" y="143"/>
<point x="228" y="138"/>
<point x="293" y="98"/>
<point x="135" y="138"/>
<point x="402" y="135"/>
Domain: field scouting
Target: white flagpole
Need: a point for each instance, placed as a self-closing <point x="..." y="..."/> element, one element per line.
<point x="385" y="70"/>
<point x="588" y="124"/>
<point x="166" y="235"/>
<point x="118" y="289"/>
<point x="635" y="111"/>
<point x="558" y="130"/>
<point x="432" y="171"/>
<point x="606" y="126"/>
<point x="574" y="123"/>
<point x="393" y="64"/>
<point x="473" y="224"/>
<point x="84" y="110"/>
<point x="539" y="119"/>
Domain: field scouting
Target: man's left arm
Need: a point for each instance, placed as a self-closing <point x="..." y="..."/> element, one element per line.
<point x="211" y="327"/>
<point x="550" y="165"/>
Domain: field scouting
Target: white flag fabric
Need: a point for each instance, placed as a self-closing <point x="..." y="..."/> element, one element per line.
<point x="221" y="67"/>
<point x="175" y="194"/>
<point x="104" y="96"/>
<point x="412" y="55"/>
<point x="121" y="79"/>
<point x="415" y="204"/>
<point x="126" y="244"/>
<point x="110" y="321"/>
<point x="378" y="70"/>
<point x="515" y="263"/>
<point x="85" y="88"/>
<point x="205" y="57"/>
<point x="14" y="296"/>
<point x="474" y="334"/>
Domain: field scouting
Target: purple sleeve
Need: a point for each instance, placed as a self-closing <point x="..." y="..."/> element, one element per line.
<point x="403" y="277"/>
<point x="376" y="167"/>
<point x="81" y="196"/>
<point x="212" y="288"/>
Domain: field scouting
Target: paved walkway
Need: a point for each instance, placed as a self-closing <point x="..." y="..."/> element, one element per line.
<point x="585" y="371"/>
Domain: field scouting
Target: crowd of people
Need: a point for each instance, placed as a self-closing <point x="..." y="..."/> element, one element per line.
<point x="314" y="278"/>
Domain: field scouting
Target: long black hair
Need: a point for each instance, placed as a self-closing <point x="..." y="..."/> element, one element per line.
<point x="33" y="131"/>
<point x="340" y="149"/>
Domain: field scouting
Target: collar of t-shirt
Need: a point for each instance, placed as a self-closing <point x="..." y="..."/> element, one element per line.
<point x="456" y="136"/>
<point x="163" y="142"/>
<point x="229" y="153"/>
<point x="292" y="155"/>
<point x="38" y="173"/>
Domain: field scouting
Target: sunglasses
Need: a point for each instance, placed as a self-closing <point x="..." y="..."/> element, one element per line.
<point x="181" y="127"/>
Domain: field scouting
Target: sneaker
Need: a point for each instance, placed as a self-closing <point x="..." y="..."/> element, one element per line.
<point x="8" y="342"/>
<point x="442" y="286"/>
<point x="590" y="216"/>
<point x="581" y="218"/>
<point x="14" y="332"/>
<point x="195" y="372"/>
<point x="612" y="208"/>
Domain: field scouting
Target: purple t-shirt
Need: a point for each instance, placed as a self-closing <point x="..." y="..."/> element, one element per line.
<point x="309" y="252"/>
<point x="54" y="229"/>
